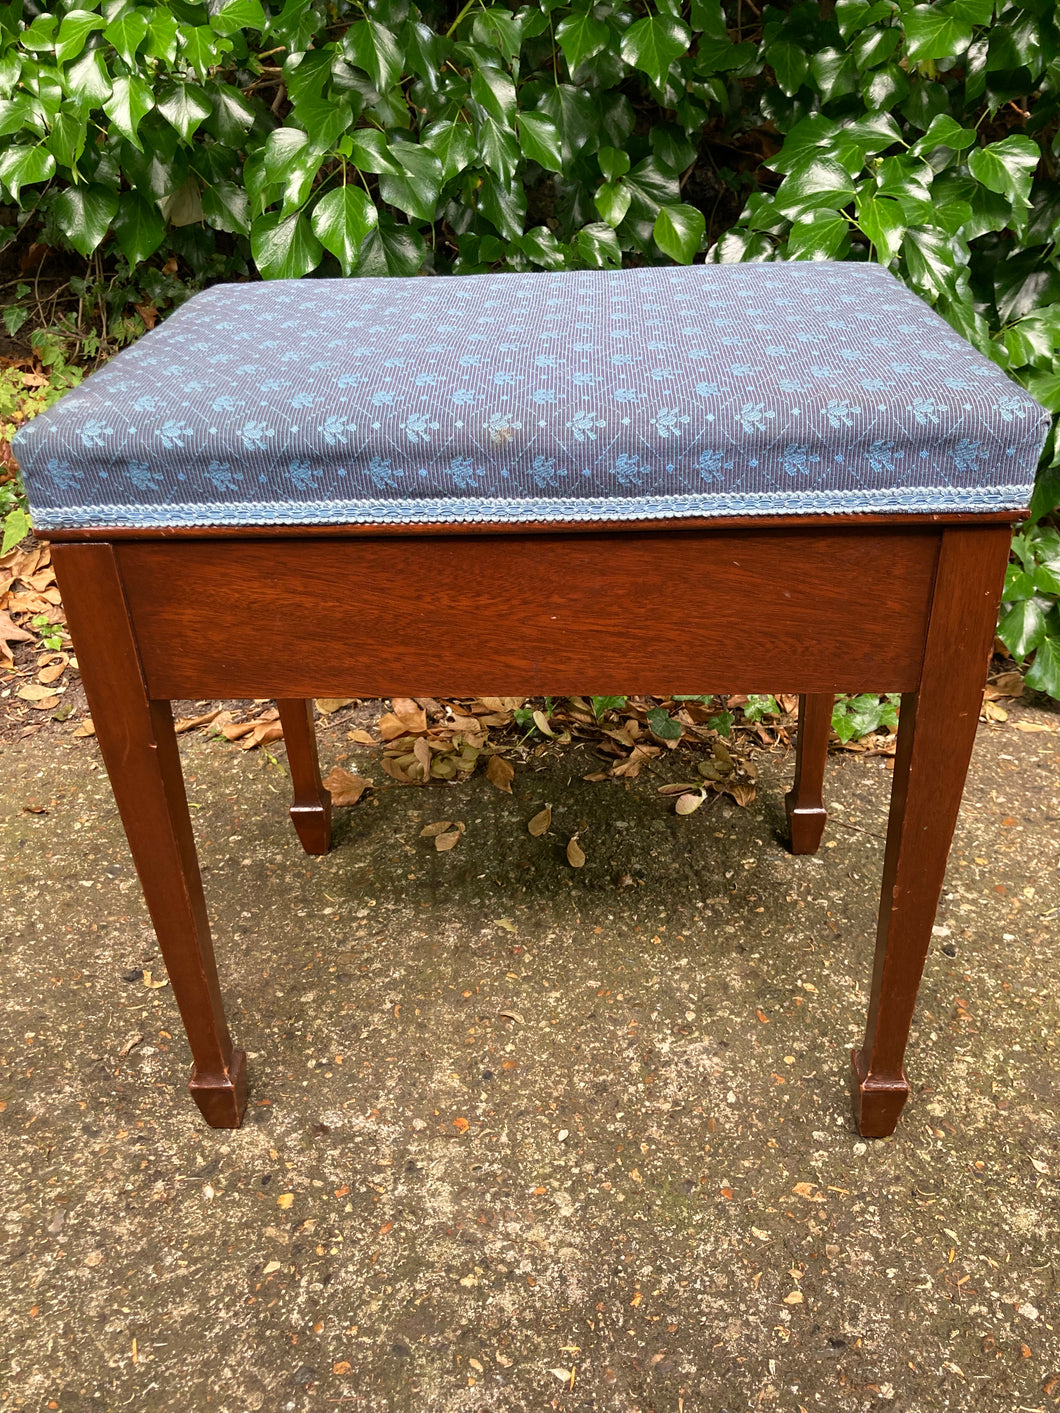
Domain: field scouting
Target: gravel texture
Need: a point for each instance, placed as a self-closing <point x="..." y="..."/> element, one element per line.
<point x="522" y="1136"/>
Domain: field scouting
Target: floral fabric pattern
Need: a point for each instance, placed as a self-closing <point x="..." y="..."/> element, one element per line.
<point x="708" y="390"/>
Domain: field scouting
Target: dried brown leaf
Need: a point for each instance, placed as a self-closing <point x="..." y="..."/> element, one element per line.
<point x="344" y="788"/>
<point x="329" y="704"/>
<point x="501" y="773"/>
<point x="422" y="752"/>
<point x="444" y="842"/>
<point x="541" y="822"/>
<point x="503" y="704"/>
<point x="431" y="831"/>
<point x="188" y="723"/>
<point x="541" y="722"/>
<point x="34" y="692"/>
<point x="52" y="672"/>
<point x="263" y="734"/>
<point x="391" y="768"/>
<point x="11" y="633"/>
<point x="361" y="737"/>
<point x="1007" y="684"/>
<point x="688" y="804"/>
<point x="86" y="728"/>
<point x="575" y="853"/>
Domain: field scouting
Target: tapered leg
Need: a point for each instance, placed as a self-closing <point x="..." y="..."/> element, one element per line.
<point x="140" y="752"/>
<point x="936" y="732"/>
<point x="311" y="810"/>
<point x="805" y="801"/>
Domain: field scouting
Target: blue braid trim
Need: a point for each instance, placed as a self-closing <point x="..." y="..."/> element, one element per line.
<point x="913" y="500"/>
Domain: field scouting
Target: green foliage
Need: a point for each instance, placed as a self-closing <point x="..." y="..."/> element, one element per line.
<point x="1030" y="616"/>
<point x="292" y="137"/>
<point x="18" y="403"/>
<point x="853" y="717"/>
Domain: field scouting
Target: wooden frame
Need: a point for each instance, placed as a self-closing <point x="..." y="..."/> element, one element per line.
<point x="815" y="606"/>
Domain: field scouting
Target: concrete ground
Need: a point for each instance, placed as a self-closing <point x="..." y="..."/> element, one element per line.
<point x="520" y="1136"/>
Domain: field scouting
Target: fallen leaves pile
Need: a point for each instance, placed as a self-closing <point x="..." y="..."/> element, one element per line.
<point x="31" y="612"/>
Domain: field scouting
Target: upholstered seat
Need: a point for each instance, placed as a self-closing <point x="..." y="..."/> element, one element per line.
<point x="636" y="394"/>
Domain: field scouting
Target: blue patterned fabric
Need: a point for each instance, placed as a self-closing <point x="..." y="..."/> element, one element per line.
<point x="710" y="390"/>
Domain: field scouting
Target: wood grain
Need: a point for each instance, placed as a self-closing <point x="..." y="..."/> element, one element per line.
<point x="761" y="610"/>
<point x="936" y="733"/>
<point x="311" y="806"/>
<point x="139" y="749"/>
<point x="804" y="803"/>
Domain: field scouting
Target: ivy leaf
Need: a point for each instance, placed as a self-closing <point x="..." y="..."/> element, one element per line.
<point x="77" y="25"/>
<point x="453" y="145"/>
<point x="613" y="163"/>
<point x="373" y="48"/>
<point x="1046" y="495"/>
<point x="580" y="36"/>
<point x="935" y="32"/>
<point x="539" y="140"/>
<point x="494" y="92"/>
<point x="503" y="204"/>
<point x="944" y="131"/>
<point x="84" y="214"/>
<point x="577" y="118"/>
<point x="341" y="220"/>
<point x="238" y="15"/>
<point x="390" y="249"/>
<point x="874" y="47"/>
<point x="852" y="16"/>
<point x="883" y="222"/>
<point x="86" y="81"/>
<point x="1022" y="627"/>
<point x="138" y="227"/>
<point x="652" y="45"/>
<point x="1044" y="674"/>
<point x="833" y="73"/>
<point x="284" y="247"/>
<point x="612" y="201"/>
<point x="231" y="116"/>
<point x="821" y="185"/>
<point x="596" y="246"/>
<point x="1046" y="388"/>
<point x="127" y="33"/>
<point x="819" y="235"/>
<point x="501" y="29"/>
<point x="931" y="257"/>
<point x="369" y="152"/>
<point x="23" y="166"/>
<point x="66" y="141"/>
<point x="225" y="207"/>
<point x="185" y="106"/>
<point x="291" y="163"/>
<point x="679" y="231"/>
<point x="162" y="35"/>
<point x="129" y="103"/>
<point x="416" y="190"/>
<point x="790" y="64"/>
<point x="542" y="248"/>
<point x="498" y="148"/>
<point x="1007" y="167"/>
<point x="202" y="47"/>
